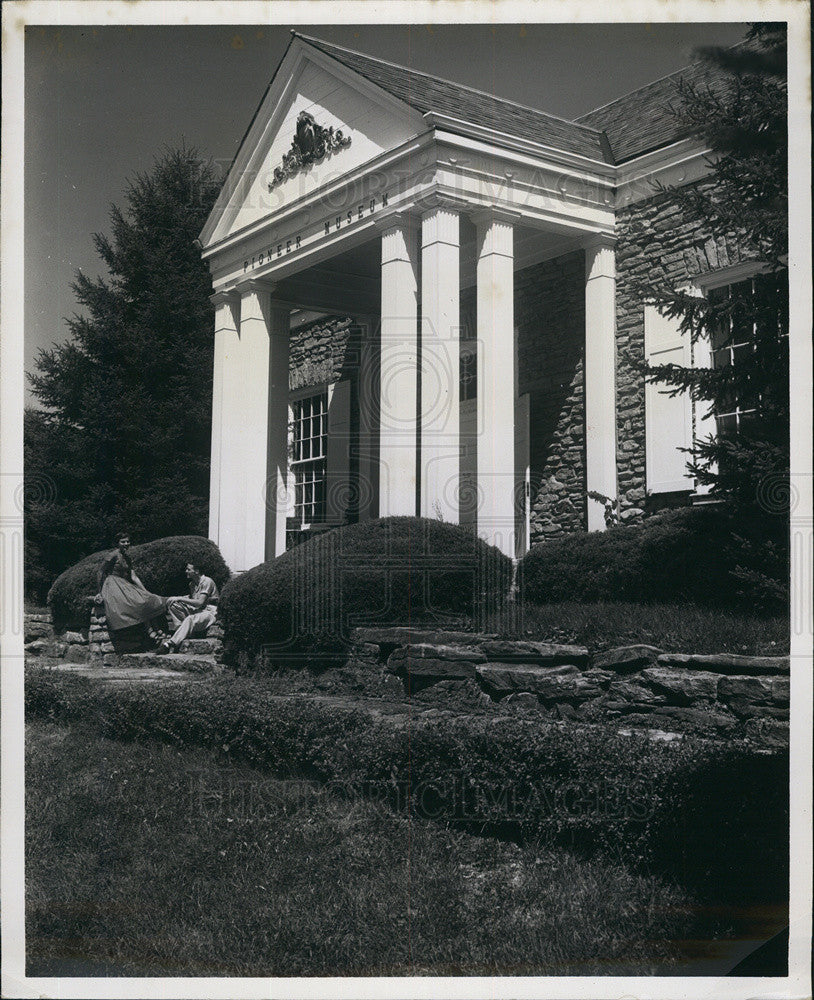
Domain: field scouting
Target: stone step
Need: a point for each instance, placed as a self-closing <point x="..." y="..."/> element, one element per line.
<point x="201" y="646"/>
<point x="145" y="675"/>
<point x="189" y="662"/>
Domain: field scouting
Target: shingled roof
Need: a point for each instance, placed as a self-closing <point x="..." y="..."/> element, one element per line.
<point x="642" y="120"/>
<point x="431" y="93"/>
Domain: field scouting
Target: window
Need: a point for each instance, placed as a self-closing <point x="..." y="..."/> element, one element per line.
<point x="309" y="457"/>
<point x="746" y="303"/>
<point x="730" y="344"/>
<point x="749" y="300"/>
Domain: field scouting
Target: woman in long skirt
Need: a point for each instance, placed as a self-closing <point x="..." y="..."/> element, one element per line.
<point x="127" y="601"/>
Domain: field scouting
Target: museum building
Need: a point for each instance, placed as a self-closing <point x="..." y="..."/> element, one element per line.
<point x="423" y="306"/>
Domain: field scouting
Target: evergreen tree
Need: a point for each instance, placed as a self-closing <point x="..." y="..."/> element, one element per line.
<point x="741" y="111"/>
<point x="123" y="433"/>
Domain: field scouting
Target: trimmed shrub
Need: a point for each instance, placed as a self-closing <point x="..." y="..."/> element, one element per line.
<point x="690" y="555"/>
<point x="159" y="564"/>
<point x="699" y="811"/>
<point x="399" y="569"/>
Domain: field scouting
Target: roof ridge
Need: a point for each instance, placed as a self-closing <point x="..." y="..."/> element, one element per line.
<point x="646" y="86"/>
<point x="442" y="79"/>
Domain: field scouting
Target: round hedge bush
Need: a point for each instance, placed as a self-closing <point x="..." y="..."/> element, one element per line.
<point x="395" y="570"/>
<point x="159" y="564"/>
<point x="690" y="554"/>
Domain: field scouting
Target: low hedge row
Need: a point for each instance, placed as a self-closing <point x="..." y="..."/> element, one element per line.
<point x="396" y="569"/>
<point x="159" y="564"/>
<point x="699" y="555"/>
<point x="702" y="813"/>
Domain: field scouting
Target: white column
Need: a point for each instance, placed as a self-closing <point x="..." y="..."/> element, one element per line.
<point x="263" y="423"/>
<point x="440" y="359"/>
<point x="230" y="492"/>
<point x="253" y="421"/>
<point x="227" y="321"/>
<point x="279" y="329"/>
<point x="398" y="367"/>
<point x="600" y="376"/>
<point x="496" y="380"/>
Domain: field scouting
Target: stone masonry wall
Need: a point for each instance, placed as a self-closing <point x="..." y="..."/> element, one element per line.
<point x="639" y="686"/>
<point x="550" y="323"/>
<point x="657" y="241"/>
<point x="321" y="351"/>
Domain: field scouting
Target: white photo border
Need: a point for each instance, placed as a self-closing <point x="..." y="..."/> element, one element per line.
<point x="15" y="17"/>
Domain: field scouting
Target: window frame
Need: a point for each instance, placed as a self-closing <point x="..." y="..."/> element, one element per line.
<point x="302" y="465"/>
<point x="705" y="424"/>
<point x="726" y="278"/>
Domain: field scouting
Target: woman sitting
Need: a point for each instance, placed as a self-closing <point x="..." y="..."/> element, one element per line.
<point x="127" y="601"/>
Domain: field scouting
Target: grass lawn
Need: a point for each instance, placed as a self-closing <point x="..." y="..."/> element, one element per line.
<point x="676" y="628"/>
<point x="144" y="859"/>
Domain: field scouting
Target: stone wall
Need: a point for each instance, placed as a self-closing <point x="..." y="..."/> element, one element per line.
<point x="550" y="324"/>
<point x="96" y="645"/>
<point x="41" y="642"/>
<point x="637" y="685"/>
<point x="323" y="350"/>
<point x="657" y="241"/>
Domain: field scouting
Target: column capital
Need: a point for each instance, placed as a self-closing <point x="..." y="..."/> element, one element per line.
<point x="600" y="240"/>
<point x="256" y="285"/>
<point x="495" y="213"/>
<point x="224" y="298"/>
<point x="441" y="224"/>
<point x="600" y="257"/>
<point x="495" y="231"/>
<point x="404" y="218"/>
<point x="435" y="199"/>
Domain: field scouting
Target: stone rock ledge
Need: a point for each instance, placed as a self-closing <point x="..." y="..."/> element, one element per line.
<point x="639" y="683"/>
<point x="711" y="692"/>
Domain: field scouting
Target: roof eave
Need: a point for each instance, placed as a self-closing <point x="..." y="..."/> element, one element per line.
<point x="459" y="126"/>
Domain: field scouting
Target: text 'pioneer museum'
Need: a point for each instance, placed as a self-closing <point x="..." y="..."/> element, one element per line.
<point x="422" y="308"/>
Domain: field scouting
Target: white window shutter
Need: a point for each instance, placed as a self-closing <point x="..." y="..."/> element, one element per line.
<point x="668" y="419"/>
<point x="522" y="474"/>
<point x="338" y="453"/>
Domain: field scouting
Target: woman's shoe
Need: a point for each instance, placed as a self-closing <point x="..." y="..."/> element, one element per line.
<point x="164" y="648"/>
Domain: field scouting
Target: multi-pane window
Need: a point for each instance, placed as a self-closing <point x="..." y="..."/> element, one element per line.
<point x="308" y="463"/>
<point x="734" y="343"/>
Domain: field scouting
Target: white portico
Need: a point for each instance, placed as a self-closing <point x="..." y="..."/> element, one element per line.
<point x="350" y="196"/>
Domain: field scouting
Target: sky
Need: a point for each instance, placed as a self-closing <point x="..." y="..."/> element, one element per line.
<point x="103" y="102"/>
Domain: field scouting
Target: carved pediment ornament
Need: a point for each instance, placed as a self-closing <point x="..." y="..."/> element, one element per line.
<point x="311" y="144"/>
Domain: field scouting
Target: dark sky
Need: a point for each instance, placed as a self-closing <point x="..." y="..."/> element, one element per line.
<point x="102" y="102"/>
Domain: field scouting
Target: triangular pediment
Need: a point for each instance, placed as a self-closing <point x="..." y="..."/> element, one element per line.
<point x="370" y="121"/>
